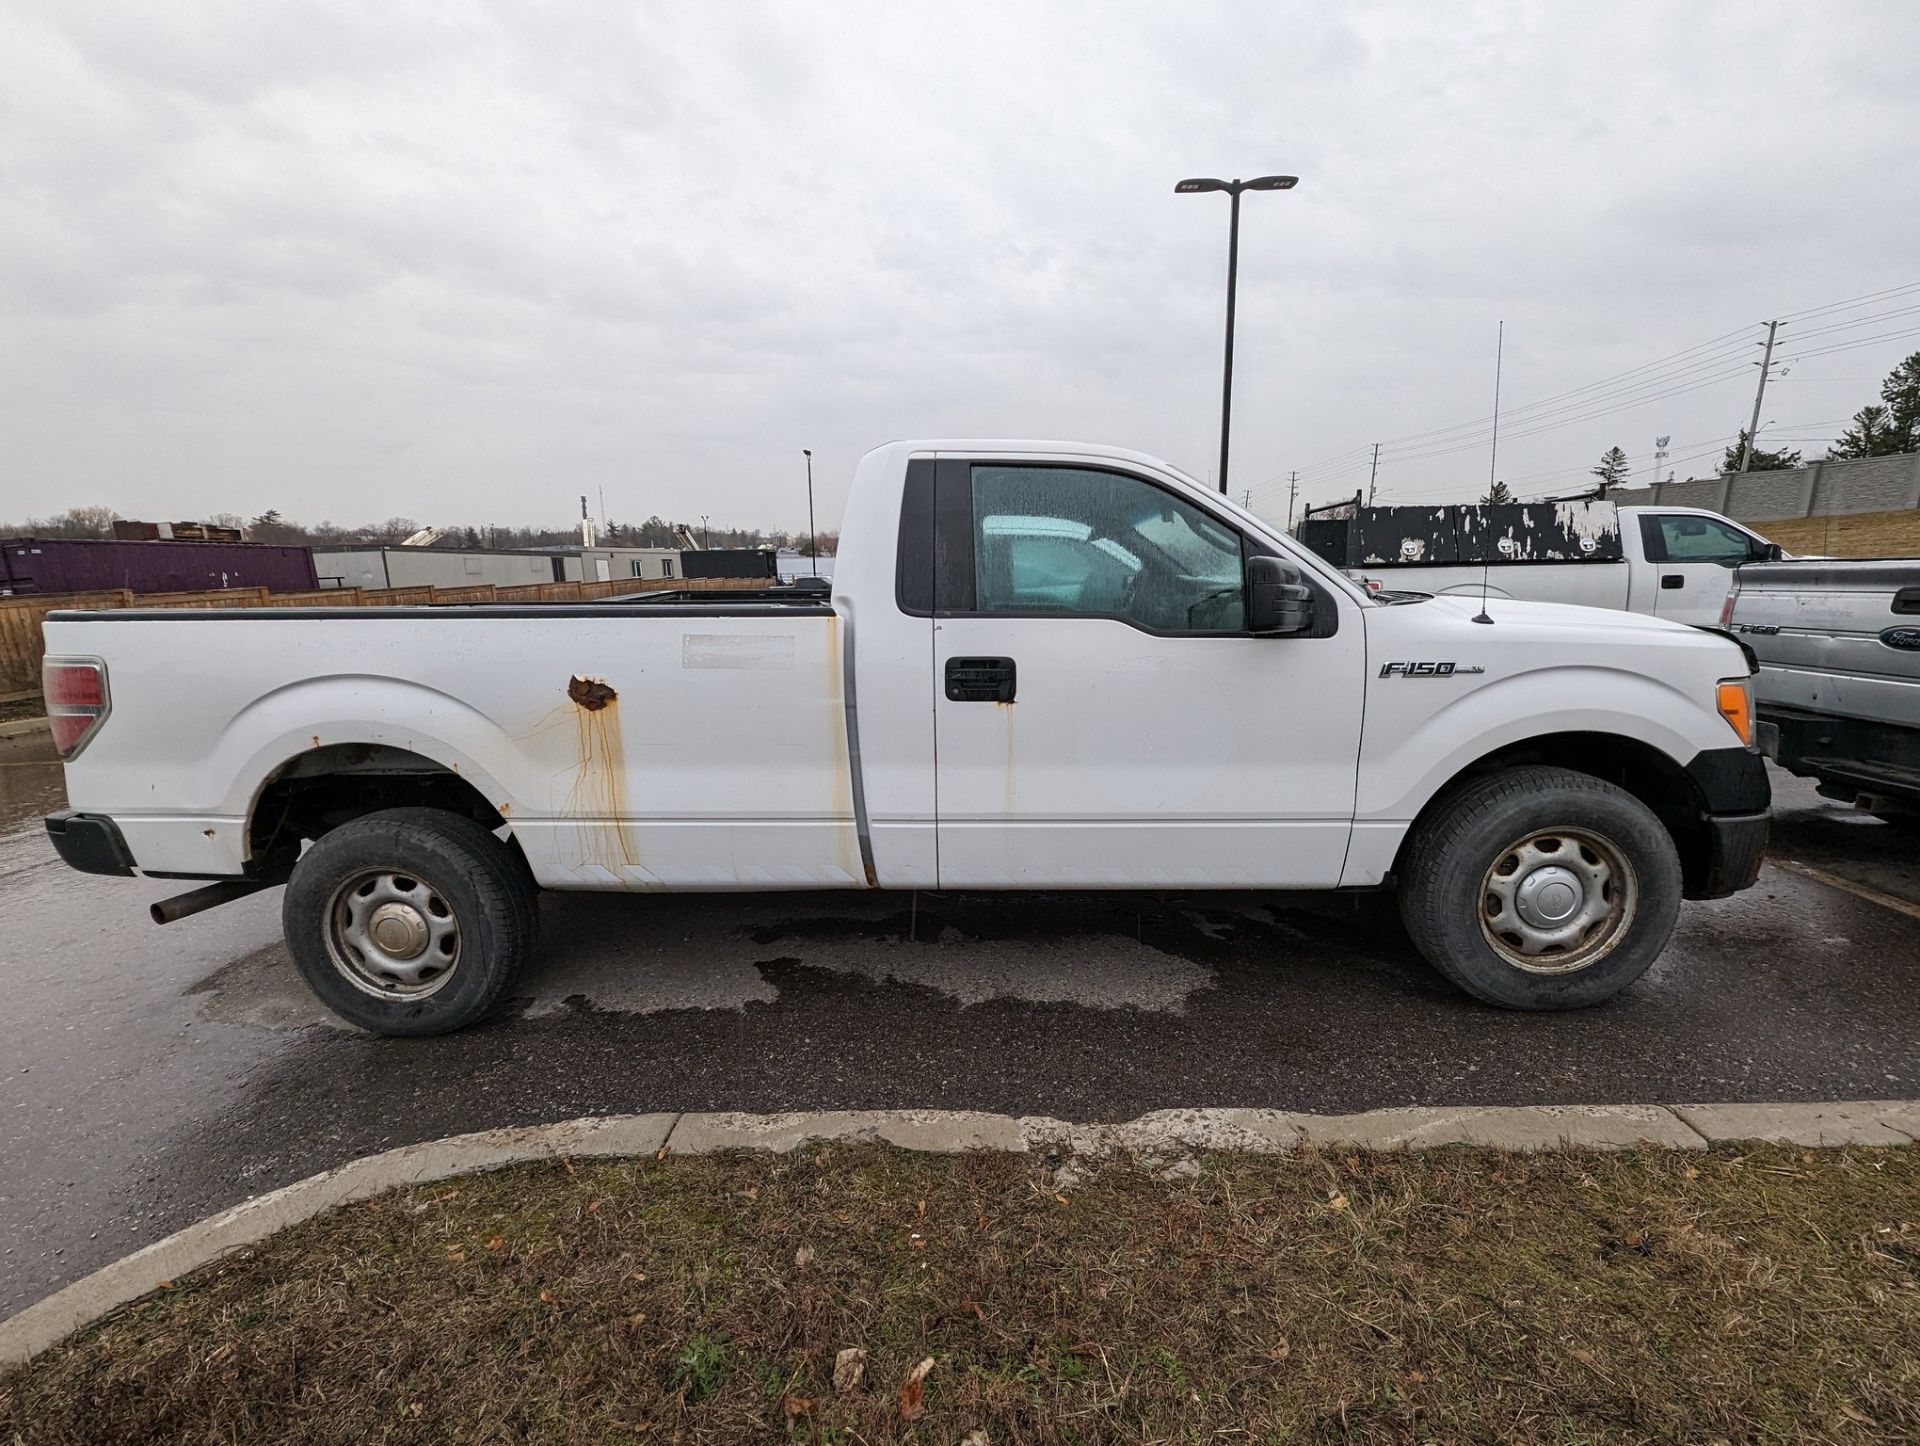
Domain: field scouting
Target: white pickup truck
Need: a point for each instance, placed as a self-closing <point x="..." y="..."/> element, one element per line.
<point x="1040" y="666"/>
<point x="1666" y="562"/>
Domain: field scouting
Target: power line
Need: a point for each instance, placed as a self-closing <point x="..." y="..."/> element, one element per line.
<point x="1852" y="301"/>
<point x="1690" y="369"/>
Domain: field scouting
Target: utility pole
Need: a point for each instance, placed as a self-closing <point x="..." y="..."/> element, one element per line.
<point x="1766" y="365"/>
<point x="813" y="548"/>
<point x="1374" y="474"/>
<point x="1246" y="499"/>
<point x="1493" y="453"/>
<point x="1293" y="487"/>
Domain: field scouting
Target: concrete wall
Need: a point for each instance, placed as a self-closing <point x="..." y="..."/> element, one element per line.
<point x="1824" y="489"/>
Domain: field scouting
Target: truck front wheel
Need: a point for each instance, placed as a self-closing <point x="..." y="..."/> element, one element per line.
<point x="409" y="921"/>
<point x="1541" y="888"/>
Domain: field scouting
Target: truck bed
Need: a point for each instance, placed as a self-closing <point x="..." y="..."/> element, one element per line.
<point x="682" y="744"/>
<point x="1828" y="636"/>
<point x="1838" y="691"/>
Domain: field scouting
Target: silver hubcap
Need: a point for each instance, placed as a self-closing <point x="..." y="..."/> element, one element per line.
<point x="1556" y="901"/>
<point x="392" y="936"/>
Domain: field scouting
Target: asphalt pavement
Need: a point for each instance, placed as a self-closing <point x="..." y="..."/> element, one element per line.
<point x="153" y="1075"/>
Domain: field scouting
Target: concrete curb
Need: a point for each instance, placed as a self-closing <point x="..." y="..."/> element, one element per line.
<point x="1161" y="1135"/>
<point x="26" y="728"/>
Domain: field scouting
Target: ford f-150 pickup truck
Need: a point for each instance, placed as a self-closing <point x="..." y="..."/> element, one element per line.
<point x="1040" y="666"/>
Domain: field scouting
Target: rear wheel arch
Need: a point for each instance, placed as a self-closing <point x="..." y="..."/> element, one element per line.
<point x="317" y="790"/>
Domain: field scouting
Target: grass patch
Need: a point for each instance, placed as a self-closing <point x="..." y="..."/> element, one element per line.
<point x="1763" y="1294"/>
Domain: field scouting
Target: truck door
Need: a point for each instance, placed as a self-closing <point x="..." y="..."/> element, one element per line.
<point x="1102" y="716"/>
<point x="1691" y="557"/>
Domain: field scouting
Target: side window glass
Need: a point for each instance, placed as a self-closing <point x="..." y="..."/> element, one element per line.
<point x="1703" y="539"/>
<point x="1066" y="540"/>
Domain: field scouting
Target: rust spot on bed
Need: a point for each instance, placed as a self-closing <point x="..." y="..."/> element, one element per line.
<point x="593" y="694"/>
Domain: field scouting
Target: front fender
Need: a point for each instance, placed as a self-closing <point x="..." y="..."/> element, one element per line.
<point x="1414" y="743"/>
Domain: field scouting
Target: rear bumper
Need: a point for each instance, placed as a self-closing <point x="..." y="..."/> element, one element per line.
<point x="89" y="842"/>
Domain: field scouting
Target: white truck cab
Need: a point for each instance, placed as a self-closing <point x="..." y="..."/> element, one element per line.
<point x="1041" y="666"/>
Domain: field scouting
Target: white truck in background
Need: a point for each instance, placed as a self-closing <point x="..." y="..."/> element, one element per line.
<point x="1665" y="562"/>
<point x="1038" y="666"/>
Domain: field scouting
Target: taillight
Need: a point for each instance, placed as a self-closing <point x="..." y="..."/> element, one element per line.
<point x="1726" y="606"/>
<point x="77" y="701"/>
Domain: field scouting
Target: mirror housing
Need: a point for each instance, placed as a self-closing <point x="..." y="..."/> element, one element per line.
<point x="1772" y="552"/>
<point x="1278" y="603"/>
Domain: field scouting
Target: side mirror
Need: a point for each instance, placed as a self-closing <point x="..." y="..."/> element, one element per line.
<point x="1277" y="601"/>
<point x="1772" y="552"/>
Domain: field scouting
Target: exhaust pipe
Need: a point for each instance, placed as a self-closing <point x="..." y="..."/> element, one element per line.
<point x="221" y="891"/>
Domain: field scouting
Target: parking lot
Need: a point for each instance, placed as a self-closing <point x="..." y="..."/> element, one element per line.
<point x="154" y="1075"/>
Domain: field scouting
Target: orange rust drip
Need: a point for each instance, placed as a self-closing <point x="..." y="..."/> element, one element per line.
<point x="599" y="788"/>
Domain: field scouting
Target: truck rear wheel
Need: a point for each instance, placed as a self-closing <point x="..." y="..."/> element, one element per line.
<point x="1541" y="888"/>
<point x="409" y="921"/>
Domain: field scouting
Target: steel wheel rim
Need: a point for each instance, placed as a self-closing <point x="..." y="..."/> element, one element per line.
<point x="1557" y="900"/>
<point x="392" y="935"/>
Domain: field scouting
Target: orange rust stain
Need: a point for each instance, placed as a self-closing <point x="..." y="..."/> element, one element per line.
<point x="846" y="837"/>
<point x="1006" y="804"/>
<point x="506" y="809"/>
<point x="598" y="796"/>
<point x="316" y="740"/>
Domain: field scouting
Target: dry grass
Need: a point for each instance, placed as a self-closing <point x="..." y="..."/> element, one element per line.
<point x="1454" y="1295"/>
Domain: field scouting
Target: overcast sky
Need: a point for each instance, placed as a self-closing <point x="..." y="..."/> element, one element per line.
<point x="464" y="261"/>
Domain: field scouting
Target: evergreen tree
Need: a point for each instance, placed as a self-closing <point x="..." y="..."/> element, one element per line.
<point x="1613" y="469"/>
<point x="1901" y="392"/>
<point x="1871" y="435"/>
<point x="1497" y="493"/>
<point x="1762" y="459"/>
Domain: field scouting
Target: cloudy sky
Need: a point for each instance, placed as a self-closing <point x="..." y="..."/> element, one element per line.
<point x="465" y="261"/>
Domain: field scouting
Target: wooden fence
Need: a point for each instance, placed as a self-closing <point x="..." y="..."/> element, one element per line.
<point x="22" y="645"/>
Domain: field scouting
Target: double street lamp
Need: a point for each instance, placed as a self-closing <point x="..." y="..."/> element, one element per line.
<point x="1233" y="188"/>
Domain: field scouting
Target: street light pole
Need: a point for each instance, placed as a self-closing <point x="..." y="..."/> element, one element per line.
<point x="1233" y="189"/>
<point x="813" y="547"/>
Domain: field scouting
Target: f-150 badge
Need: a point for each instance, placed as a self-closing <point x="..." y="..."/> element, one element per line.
<point x="1427" y="670"/>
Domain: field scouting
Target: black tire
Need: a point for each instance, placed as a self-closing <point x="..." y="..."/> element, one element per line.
<point x="467" y="884"/>
<point x="1501" y="830"/>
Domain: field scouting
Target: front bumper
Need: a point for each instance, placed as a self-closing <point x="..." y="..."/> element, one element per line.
<point x="1736" y="845"/>
<point x="89" y="842"/>
<point x="1733" y="786"/>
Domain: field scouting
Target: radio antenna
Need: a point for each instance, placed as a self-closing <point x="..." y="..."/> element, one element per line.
<point x="1493" y="461"/>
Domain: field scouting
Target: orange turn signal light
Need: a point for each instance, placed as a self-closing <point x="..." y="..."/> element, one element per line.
<point x="1735" y="699"/>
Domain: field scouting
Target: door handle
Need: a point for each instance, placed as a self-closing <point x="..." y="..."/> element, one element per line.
<point x="1672" y="580"/>
<point x="980" y="680"/>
